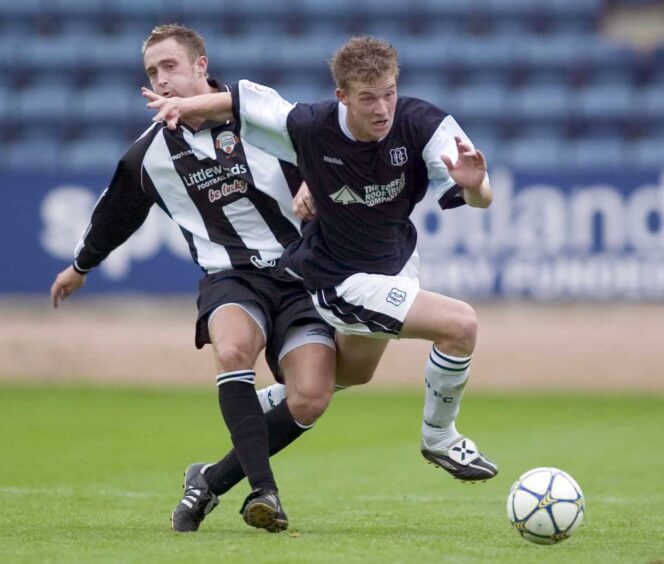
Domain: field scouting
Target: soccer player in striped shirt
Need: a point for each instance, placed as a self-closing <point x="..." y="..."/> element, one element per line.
<point x="233" y="203"/>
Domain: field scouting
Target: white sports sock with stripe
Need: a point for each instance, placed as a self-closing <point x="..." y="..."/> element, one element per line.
<point x="445" y="377"/>
<point x="271" y="396"/>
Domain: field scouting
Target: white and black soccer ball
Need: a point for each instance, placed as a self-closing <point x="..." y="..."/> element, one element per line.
<point x="545" y="505"/>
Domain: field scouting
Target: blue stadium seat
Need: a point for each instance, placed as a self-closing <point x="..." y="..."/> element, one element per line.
<point x="105" y="102"/>
<point x="6" y="95"/>
<point x="115" y="52"/>
<point x="483" y="103"/>
<point x="595" y="153"/>
<point x="79" y="8"/>
<point x="51" y="103"/>
<point x="40" y="154"/>
<point x="22" y="9"/>
<point x="63" y="53"/>
<point x="548" y="102"/>
<point x="647" y="152"/>
<point x="94" y="153"/>
<point x="430" y="91"/>
<point x="650" y="101"/>
<point x="533" y="154"/>
<point x="604" y="103"/>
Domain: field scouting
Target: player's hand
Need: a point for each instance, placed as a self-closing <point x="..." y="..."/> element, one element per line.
<point x="303" y="204"/>
<point x="470" y="167"/>
<point x="66" y="283"/>
<point x="168" y="109"/>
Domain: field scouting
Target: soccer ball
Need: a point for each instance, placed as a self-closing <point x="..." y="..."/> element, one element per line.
<point x="545" y="505"/>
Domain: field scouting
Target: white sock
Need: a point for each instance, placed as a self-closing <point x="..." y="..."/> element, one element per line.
<point x="445" y="377"/>
<point x="271" y="396"/>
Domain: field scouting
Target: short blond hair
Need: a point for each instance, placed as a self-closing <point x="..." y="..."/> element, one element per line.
<point x="364" y="59"/>
<point x="188" y="38"/>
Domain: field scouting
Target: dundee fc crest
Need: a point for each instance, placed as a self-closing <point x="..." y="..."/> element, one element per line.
<point x="398" y="156"/>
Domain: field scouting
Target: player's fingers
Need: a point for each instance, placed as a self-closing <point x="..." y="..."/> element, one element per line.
<point x="481" y="157"/>
<point x="447" y="161"/>
<point x="149" y="94"/>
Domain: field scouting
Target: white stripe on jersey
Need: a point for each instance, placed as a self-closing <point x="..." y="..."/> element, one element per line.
<point x="201" y="143"/>
<point x="263" y="116"/>
<point x="167" y="182"/>
<point x="268" y="178"/>
<point x="442" y="143"/>
<point x="252" y="229"/>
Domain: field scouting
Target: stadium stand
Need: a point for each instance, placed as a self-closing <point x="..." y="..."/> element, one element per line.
<point x="536" y="84"/>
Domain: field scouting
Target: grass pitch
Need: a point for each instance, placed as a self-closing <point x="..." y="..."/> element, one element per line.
<point x="92" y="474"/>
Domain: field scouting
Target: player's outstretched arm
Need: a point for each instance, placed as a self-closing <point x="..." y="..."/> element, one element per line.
<point x="217" y="107"/>
<point x="470" y="172"/>
<point x="66" y="283"/>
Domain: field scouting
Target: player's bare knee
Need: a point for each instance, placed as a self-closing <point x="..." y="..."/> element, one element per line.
<point x="461" y="339"/>
<point x="234" y="357"/>
<point x="468" y="331"/>
<point x="308" y="406"/>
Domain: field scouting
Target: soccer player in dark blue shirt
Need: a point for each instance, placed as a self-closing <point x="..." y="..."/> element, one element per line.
<point x="368" y="158"/>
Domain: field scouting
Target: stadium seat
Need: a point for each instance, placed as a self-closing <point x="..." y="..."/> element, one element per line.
<point x="52" y="103"/>
<point x="603" y="102"/>
<point x="95" y="153"/>
<point x="484" y="103"/>
<point x="647" y="153"/>
<point x="40" y="154"/>
<point x="595" y="154"/>
<point x="548" y="102"/>
<point x="105" y="103"/>
<point x="533" y="154"/>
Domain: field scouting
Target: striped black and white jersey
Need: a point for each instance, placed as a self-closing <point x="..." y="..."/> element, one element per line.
<point x="364" y="192"/>
<point x="231" y="201"/>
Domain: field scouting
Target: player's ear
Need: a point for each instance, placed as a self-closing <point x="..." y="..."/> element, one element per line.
<point x="201" y="65"/>
<point x="342" y="96"/>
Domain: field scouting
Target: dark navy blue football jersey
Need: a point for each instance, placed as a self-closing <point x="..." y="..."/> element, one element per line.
<point x="364" y="192"/>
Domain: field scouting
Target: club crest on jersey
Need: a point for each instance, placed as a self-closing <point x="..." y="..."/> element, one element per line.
<point x="396" y="297"/>
<point x="226" y="141"/>
<point x="399" y="156"/>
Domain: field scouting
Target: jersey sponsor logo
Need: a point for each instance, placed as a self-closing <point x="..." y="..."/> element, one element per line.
<point x="399" y="156"/>
<point x="396" y="297"/>
<point x="346" y="196"/>
<point x="262" y="263"/>
<point x="375" y="194"/>
<point x="237" y="186"/>
<point x="333" y="160"/>
<point x="226" y="142"/>
<point x="206" y="177"/>
<point x="181" y="154"/>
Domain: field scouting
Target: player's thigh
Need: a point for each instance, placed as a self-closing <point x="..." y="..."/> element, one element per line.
<point x="236" y="335"/>
<point x="434" y="317"/>
<point x="357" y="358"/>
<point x="309" y="371"/>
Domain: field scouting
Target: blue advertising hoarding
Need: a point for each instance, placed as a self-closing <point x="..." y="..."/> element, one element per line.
<point x="546" y="237"/>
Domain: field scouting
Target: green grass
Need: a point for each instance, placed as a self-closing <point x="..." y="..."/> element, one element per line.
<point x="92" y="474"/>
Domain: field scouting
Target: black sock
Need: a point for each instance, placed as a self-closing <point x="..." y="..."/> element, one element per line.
<point x="248" y="428"/>
<point x="282" y="429"/>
